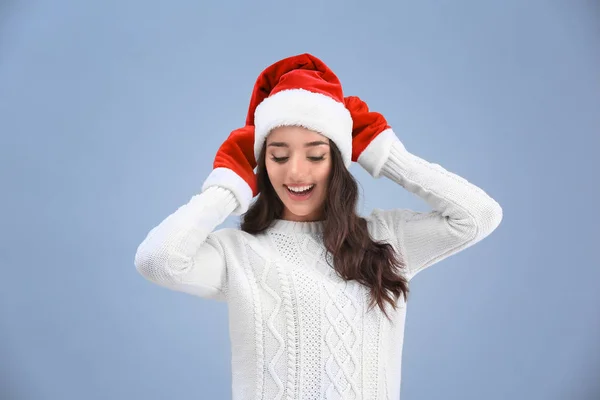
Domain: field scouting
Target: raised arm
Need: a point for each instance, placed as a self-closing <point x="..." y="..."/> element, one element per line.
<point x="183" y="253"/>
<point x="463" y="214"/>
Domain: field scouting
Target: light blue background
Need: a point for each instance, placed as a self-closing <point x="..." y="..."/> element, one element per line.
<point x="110" y="115"/>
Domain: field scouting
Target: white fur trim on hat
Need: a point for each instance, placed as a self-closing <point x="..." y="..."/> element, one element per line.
<point x="314" y="111"/>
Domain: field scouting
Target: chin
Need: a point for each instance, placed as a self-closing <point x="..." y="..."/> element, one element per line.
<point x="303" y="213"/>
<point x="308" y="211"/>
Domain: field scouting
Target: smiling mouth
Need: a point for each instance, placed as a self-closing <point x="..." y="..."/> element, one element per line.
<point x="303" y="190"/>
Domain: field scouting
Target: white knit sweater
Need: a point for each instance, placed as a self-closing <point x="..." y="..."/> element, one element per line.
<point x="297" y="330"/>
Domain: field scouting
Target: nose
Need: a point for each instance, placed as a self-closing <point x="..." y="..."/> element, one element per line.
<point x="297" y="169"/>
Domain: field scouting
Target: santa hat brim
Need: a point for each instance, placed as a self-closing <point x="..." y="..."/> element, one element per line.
<point x="311" y="110"/>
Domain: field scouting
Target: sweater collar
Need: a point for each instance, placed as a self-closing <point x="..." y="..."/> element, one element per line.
<point x="286" y="226"/>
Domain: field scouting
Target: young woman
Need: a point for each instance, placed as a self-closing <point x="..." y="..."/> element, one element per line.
<point x="316" y="294"/>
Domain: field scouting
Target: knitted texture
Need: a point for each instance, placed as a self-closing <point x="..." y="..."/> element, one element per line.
<point x="297" y="330"/>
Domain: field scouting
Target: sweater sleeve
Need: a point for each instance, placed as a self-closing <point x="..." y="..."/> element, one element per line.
<point x="182" y="253"/>
<point x="462" y="215"/>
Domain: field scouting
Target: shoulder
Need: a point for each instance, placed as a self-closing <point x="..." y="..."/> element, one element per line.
<point x="388" y="218"/>
<point x="388" y="223"/>
<point x="231" y="235"/>
<point x="242" y="249"/>
<point x="233" y="241"/>
<point x="396" y="216"/>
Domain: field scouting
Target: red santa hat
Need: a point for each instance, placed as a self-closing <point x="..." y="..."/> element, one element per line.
<point x="300" y="91"/>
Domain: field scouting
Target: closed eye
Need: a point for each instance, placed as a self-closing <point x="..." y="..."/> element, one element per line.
<point x="284" y="159"/>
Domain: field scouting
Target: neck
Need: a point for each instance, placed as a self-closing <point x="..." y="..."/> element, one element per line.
<point x="290" y="226"/>
<point x="316" y="215"/>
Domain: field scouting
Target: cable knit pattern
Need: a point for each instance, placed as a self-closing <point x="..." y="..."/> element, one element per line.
<point x="274" y="332"/>
<point x="258" y="324"/>
<point x="290" y="325"/>
<point x="298" y="330"/>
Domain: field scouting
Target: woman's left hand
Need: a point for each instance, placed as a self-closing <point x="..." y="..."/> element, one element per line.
<point x="371" y="135"/>
<point x="367" y="125"/>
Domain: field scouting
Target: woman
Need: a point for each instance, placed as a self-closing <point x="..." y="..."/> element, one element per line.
<point x="316" y="294"/>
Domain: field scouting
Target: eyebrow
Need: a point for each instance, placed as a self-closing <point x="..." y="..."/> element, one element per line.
<point x="309" y="144"/>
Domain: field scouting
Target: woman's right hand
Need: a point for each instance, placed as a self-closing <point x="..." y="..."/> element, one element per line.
<point x="233" y="167"/>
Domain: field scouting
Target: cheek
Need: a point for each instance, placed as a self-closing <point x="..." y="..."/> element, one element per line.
<point x="323" y="173"/>
<point x="274" y="175"/>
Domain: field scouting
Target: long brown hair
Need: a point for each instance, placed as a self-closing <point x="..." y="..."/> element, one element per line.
<point x="356" y="256"/>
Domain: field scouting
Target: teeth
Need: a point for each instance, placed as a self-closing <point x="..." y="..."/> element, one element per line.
<point x="300" y="188"/>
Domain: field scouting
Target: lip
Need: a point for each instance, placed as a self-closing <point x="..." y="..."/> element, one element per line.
<point x="296" y="197"/>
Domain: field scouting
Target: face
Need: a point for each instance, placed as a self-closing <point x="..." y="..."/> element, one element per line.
<point x="298" y="163"/>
